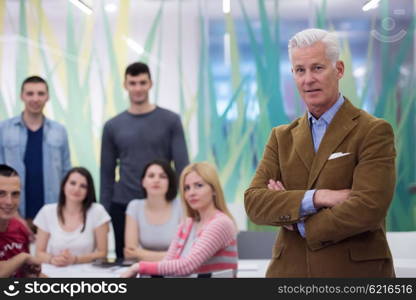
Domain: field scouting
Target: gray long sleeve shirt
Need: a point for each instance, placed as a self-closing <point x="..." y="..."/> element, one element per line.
<point x="130" y="142"/>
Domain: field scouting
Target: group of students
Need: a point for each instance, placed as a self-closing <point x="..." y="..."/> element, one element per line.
<point x="75" y="230"/>
<point x="142" y="143"/>
<point x="38" y="148"/>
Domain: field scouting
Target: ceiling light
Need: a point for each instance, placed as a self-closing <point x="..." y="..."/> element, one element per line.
<point x="371" y="4"/>
<point x="133" y="45"/>
<point x="226" y="6"/>
<point x="82" y="6"/>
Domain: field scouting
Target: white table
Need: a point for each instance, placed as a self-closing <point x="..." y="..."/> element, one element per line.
<point x="82" y="271"/>
<point x="405" y="267"/>
<point x="252" y="268"/>
<point x="247" y="268"/>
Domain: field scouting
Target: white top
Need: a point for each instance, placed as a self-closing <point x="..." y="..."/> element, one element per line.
<point x="79" y="243"/>
<point x="156" y="237"/>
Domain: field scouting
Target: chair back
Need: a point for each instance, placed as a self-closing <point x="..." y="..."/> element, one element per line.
<point x="255" y="244"/>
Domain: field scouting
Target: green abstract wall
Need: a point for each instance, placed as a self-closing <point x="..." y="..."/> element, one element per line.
<point x="226" y="74"/>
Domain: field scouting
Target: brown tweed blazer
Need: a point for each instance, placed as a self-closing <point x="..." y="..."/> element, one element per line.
<point x="349" y="239"/>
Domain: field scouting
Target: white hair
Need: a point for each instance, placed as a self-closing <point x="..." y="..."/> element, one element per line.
<point x="311" y="36"/>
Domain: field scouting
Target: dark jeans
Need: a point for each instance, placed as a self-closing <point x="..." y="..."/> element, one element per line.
<point x="118" y="218"/>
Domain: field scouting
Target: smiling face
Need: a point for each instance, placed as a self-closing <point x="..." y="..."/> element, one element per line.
<point x="34" y="96"/>
<point x="76" y="188"/>
<point x="138" y="88"/>
<point x="9" y="197"/>
<point x="198" y="194"/>
<point x="155" y="181"/>
<point x="316" y="77"/>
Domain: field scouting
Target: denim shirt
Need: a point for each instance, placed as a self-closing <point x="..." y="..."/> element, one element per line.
<point x="56" y="157"/>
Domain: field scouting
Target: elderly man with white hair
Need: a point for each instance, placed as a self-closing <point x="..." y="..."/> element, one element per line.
<point x="327" y="178"/>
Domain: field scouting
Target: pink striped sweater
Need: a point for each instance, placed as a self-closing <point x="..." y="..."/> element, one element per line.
<point x="215" y="249"/>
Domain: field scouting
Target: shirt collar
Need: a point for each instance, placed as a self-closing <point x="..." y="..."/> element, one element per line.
<point x="19" y="121"/>
<point x="330" y="113"/>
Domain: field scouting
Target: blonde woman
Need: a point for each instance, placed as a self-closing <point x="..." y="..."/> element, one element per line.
<point x="206" y="240"/>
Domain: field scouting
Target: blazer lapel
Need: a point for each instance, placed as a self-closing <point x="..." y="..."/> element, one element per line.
<point x="342" y="123"/>
<point x="302" y="140"/>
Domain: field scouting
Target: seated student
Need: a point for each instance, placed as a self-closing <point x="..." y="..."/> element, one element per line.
<point x="151" y="223"/>
<point x="75" y="229"/>
<point x="14" y="236"/>
<point x="206" y="240"/>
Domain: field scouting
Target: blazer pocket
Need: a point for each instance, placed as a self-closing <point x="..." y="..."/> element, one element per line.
<point x="341" y="161"/>
<point x="277" y="251"/>
<point x="337" y="173"/>
<point x="370" y="251"/>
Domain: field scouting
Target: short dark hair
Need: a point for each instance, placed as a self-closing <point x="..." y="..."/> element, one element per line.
<point x="86" y="203"/>
<point x="7" y="171"/>
<point x="34" y="79"/>
<point x="137" y="68"/>
<point x="173" y="183"/>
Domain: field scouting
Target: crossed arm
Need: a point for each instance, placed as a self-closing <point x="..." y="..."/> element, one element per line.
<point x="321" y="198"/>
<point x="341" y="214"/>
<point x="31" y="265"/>
<point x="132" y="248"/>
<point x="217" y="235"/>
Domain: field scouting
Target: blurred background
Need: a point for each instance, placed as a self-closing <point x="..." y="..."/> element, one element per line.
<point x="221" y="64"/>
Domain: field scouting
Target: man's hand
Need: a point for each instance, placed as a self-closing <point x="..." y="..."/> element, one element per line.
<point x="32" y="267"/>
<point x="330" y="198"/>
<point x="278" y="186"/>
<point x="275" y="185"/>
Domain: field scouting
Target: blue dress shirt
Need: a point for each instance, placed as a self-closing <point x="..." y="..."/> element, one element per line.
<point x="318" y="129"/>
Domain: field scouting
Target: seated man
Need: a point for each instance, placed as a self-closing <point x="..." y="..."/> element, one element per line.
<point x="27" y="265"/>
<point x="15" y="259"/>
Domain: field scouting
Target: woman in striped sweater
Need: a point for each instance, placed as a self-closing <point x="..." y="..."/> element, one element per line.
<point x="206" y="240"/>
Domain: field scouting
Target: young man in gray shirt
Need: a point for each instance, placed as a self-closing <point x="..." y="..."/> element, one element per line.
<point x="130" y="140"/>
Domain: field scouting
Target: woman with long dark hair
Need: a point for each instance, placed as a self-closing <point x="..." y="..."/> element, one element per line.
<point x="74" y="230"/>
<point x="151" y="223"/>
